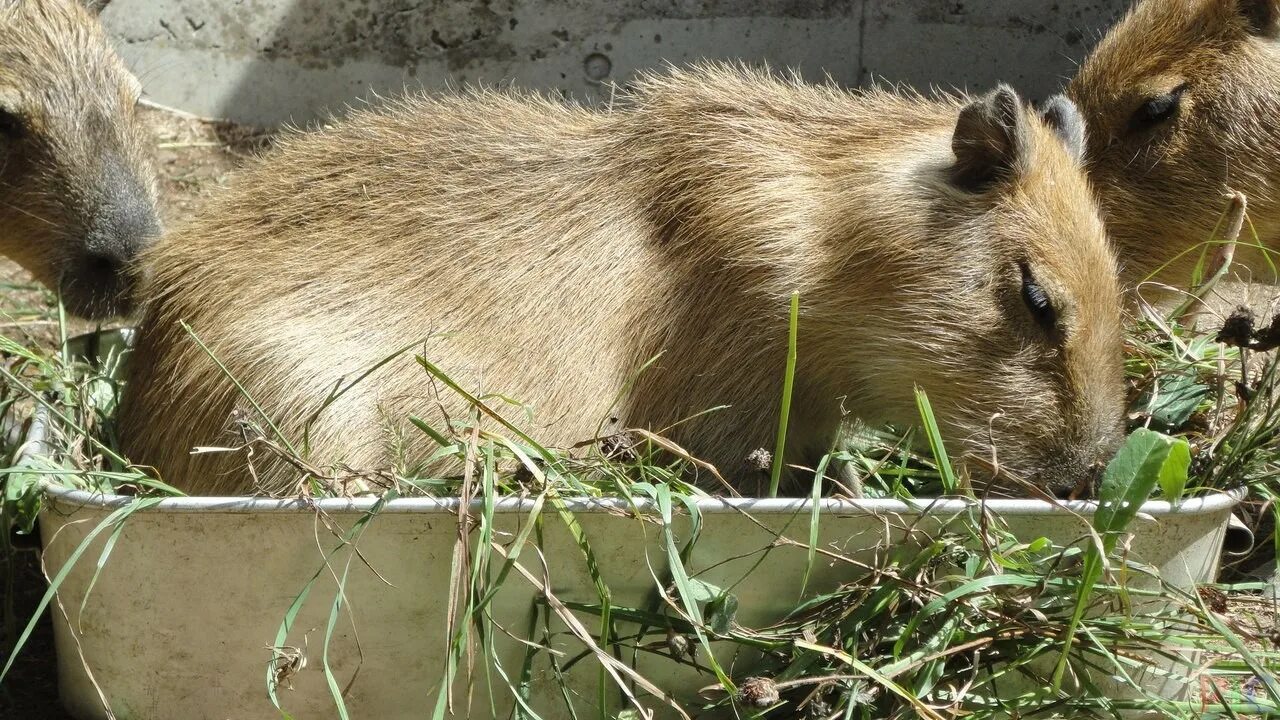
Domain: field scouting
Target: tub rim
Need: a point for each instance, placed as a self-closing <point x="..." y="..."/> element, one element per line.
<point x="1211" y="502"/>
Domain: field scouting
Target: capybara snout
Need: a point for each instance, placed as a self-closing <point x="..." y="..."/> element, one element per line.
<point x="77" y="188"/>
<point x="97" y="279"/>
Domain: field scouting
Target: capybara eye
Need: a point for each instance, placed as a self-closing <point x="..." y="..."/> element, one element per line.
<point x="10" y="125"/>
<point x="1156" y="110"/>
<point x="1037" y="301"/>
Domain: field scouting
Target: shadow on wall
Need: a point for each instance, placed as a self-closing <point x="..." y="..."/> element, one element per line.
<point x="273" y="61"/>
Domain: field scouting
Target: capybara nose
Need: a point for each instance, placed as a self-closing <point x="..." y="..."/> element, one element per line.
<point x="121" y="232"/>
<point x="124" y="221"/>
<point x="100" y="265"/>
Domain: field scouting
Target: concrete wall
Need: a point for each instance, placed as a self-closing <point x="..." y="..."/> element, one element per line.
<point x="269" y="61"/>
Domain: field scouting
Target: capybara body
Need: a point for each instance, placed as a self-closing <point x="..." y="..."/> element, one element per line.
<point x="546" y="252"/>
<point x="77" y="188"/>
<point x="1182" y="104"/>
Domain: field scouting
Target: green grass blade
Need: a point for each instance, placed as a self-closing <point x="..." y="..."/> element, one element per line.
<point x="430" y="432"/>
<point x="480" y="405"/>
<point x="924" y="710"/>
<point x="102" y="561"/>
<point x="334" y="611"/>
<point x="788" y="382"/>
<point x="339" y="390"/>
<point x="299" y="600"/>
<point x="685" y="587"/>
<point x="815" y="513"/>
<point x="936" y="446"/>
<point x="241" y="389"/>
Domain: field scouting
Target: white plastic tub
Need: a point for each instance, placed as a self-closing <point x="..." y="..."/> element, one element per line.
<point x="183" y="614"/>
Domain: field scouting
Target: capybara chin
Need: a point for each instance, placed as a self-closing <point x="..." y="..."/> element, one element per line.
<point x="1182" y="103"/>
<point x="77" y="188"/>
<point x="546" y="252"/>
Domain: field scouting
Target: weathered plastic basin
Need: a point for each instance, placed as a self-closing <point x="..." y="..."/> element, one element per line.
<point x="183" y="613"/>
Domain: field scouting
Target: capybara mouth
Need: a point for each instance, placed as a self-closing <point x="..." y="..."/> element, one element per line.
<point x="97" y="287"/>
<point x="1059" y="478"/>
<point x="1072" y="481"/>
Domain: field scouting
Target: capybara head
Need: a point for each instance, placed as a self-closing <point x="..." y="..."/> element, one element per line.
<point x="1182" y="103"/>
<point x="1024" y="354"/>
<point x="77" y="188"/>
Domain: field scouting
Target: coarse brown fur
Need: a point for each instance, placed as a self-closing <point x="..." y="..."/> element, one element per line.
<point x="77" y="187"/>
<point x="561" y="248"/>
<point x="1213" y="67"/>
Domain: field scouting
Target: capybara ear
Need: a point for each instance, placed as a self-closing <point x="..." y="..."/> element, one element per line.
<point x="1263" y="16"/>
<point x="94" y="6"/>
<point x="1064" y="118"/>
<point x="988" y="139"/>
<point x="10" y="126"/>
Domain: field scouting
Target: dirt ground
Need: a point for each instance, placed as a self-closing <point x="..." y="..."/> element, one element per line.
<point x="194" y="159"/>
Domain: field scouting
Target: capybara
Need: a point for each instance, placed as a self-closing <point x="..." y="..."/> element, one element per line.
<point x="546" y="252"/>
<point x="77" y="187"/>
<point x="1181" y="101"/>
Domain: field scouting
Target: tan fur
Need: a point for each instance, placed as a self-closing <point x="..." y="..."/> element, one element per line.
<point x="77" y="188"/>
<point x="563" y="247"/>
<point x="1163" y="188"/>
